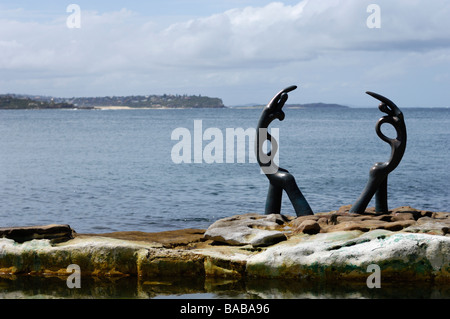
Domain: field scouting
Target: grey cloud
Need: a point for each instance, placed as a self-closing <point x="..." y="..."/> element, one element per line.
<point x="276" y="43"/>
<point x="253" y="36"/>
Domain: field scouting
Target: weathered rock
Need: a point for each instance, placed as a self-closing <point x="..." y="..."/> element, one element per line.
<point x="181" y="238"/>
<point x="440" y="215"/>
<point x="405" y="217"/>
<point x="344" y="255"/>
<point x="348" y="226"/>
<point x="94" y="255"/>
<point x="56" y="233"/>
<point x="418" y="252"/>
<point x="402" y="216"/>
<point x="429" y="225"/>
<point x="308" y="226"/>
<point x="254" y="229"/>
<point x="154" y="262"/>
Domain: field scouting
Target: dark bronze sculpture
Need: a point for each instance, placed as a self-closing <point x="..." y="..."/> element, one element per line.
<point x="377" y="184"/>
<point x="279" y="179"/>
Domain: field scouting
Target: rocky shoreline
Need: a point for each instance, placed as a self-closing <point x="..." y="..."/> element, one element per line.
<point x="408" y="245"/>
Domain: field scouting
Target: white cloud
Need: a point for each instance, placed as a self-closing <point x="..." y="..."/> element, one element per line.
<point x="258" y="45"/>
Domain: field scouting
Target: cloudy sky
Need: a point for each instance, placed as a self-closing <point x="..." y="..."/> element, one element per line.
<point x="242" y="51"/>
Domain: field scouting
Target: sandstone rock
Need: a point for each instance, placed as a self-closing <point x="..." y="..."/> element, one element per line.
<point x="165" y="263"/>
<point x="344" y="209"/>
<point x="402" y="216"/>
<point x="263" y="238"/>
<point x="94" y="255"/>
<point x="181" y="238"/>
<point x="56" y="233"/>
<point x="348" y="226"/>
<point x="407" y="249"/>
<point x="405" y="217"/>
<point x="408" y="210"/>
<point x="435" y="226"/>
<point x="254" y="229"/>
<point x="440" y="215"/>
<point x="344" y="255"/>
<point x="298" y="220"/>
<point x="308" y="226"/>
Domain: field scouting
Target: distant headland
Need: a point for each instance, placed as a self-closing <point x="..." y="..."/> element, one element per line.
<point x="317" y="106"/>
<point x="17" y="101"/>
<point x="165" y="101"/>
<point x="297" y="106"/>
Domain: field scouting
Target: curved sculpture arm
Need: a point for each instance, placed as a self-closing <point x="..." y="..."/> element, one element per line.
<point x="389" y="120"/>
<point x="386" y="105"/>
<point x="273" y="110"/>
<point x="279" y="179"/>
<point x="395" y="118"/>
<point x="378" y="175"/>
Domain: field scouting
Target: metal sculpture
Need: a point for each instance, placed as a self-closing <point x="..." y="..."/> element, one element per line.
<point x="279" y="179"/>
<point x="377" y="184"/>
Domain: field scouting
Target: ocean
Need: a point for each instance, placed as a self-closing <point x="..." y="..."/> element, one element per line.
<point x="117" y="170"/>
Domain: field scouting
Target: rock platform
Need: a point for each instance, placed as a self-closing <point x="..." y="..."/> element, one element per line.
<point x="407" y="245"/>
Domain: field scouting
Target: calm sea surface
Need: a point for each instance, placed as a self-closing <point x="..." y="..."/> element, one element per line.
<point x="112" y="170"/>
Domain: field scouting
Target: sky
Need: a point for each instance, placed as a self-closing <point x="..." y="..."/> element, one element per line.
<point x="243" y="51"/>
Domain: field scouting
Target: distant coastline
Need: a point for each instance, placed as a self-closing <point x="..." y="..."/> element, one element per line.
<point x="11" y="102"/>
<point x="298" y="106"/>
<point x="317" y="106"/>
<point x="165" y="101"/>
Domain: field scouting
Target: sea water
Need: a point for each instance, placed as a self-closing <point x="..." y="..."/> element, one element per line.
<point x="113" y="170"/>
